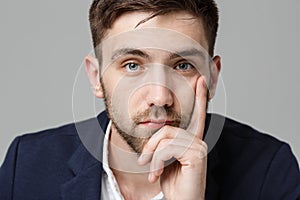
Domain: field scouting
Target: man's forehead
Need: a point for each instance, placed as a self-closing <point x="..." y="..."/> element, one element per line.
<point x="182" y="22"/>
<point x="138" y="19"/>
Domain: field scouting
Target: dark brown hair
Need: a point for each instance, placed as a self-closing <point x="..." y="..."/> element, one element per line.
<point x="103" y="14"/>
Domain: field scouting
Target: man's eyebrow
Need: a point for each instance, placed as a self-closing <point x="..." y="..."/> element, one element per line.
<point x="188" y="52"/>
<point x="129" y="51"/>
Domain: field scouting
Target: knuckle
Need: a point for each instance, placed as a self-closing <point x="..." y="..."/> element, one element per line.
<point x="164" y="143"/>
<point x="204" y="145"/>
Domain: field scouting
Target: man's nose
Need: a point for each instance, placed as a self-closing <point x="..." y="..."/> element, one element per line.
<point x="159" y="95"/>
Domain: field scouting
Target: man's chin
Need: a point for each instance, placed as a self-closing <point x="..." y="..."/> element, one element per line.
<point x="137" y="145"/>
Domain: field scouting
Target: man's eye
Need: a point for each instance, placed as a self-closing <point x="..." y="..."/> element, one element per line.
<point x="184" y="67"/>
<point x="132" y="67"/>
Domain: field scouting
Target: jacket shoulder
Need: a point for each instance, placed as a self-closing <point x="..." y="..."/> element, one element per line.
<point x="256" y="163"/>
<point x="41" y="159"/>
<point x="242" y="132"/>
<point x="59" y="131"/>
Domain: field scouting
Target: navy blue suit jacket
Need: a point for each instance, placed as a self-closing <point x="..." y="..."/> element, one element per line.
<point x="54" y="165"/>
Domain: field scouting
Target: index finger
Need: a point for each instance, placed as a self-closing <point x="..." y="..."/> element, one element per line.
<point x="197" y="121"/>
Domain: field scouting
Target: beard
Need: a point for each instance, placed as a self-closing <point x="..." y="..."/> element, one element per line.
<point x="134" y="135"/>
<point x="138" y="137"/>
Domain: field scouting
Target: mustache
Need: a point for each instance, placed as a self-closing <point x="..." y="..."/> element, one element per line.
<point x="157" y="112"/>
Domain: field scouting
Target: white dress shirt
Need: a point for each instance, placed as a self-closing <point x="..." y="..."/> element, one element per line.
<point x="109" y="188"/>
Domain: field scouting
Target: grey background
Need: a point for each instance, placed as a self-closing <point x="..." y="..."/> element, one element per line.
<point x="43" y="44"/>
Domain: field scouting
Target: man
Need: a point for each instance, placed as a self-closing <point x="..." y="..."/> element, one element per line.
<point x="154" y="71"/>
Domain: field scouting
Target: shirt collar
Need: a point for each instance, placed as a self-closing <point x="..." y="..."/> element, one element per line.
<point x="110" y="176"/>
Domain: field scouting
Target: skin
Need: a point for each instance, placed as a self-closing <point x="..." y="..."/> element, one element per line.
<point x="186" y="177"/>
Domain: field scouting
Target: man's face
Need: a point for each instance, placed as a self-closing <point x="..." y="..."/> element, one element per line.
<point x="149" y="73"/>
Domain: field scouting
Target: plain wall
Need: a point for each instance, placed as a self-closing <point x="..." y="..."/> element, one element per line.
<point x="43" y="44"/>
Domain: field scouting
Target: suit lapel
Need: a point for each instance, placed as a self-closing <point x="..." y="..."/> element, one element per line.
<point x="86" y="183"/>
<point x="85" y="162"/>
<point x="214" y="125"/>
<point x="214" y="176"/>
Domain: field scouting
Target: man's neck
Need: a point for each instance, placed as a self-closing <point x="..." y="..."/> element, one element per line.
<point x="136" y="186"/>
<point x="129" y="175"/>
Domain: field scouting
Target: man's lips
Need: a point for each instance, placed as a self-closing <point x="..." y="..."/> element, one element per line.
<point x="156" y="124"/>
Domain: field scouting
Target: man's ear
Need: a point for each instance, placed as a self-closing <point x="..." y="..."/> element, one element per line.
<point x="215" y="71"/>
<point x="92" y="71"/>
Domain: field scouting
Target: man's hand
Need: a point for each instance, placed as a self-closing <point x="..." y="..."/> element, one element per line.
<point x="185" y="178"/>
